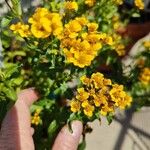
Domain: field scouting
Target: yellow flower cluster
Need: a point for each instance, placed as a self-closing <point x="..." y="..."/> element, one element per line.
<point x="90" y="3"/>
<point x="21" y="29"/>
<point x="145" y="76"/>
<point x="71" y="5"/>
<point x="44" y="23"/>
<point x="36" y="118"/>
<point x="147" y="44"/>
<point x="139" y="4"/>
<point x="81" y="41"/>
<point x="99" y="94"/>
<point x="116" y="22"/>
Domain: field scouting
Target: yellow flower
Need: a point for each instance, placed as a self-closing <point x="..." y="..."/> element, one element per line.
<point x="75" y="105"/>
<point x="99" y="99"/>
<point x="145" y="76"/>
<point x="108" y="40"/>
<point x="82" y="95"/>
<point x="81" y="59"/>
<point x="85" y="80"/>
<point x="36" y="118"/>
<point x="118" y="2"/>
<point x="71" y="5"/>
<point x="90" y="3"/>
<point x="139" y="4"/>
<point x="107" y="82"/>
<point x="69" y="55"/>
<point x="97" y="79"/>
<point x="106" y="109"/>
<point x="43" y="23"/>
<point x="74" y="26"/>
<point x="125" y="102"/>
<point x="87" y="109"/>
<point x="117" y="93"/>
<point x="21" y="28"/>
<point x="146" y="44"/>
<point x="56" y="24"/>
<point x="99" y="94"/>
<point x="92" y="27"/>
<point x="82" y="21"/>
<point x="120" y="49"/>
<point x="93" y="38"/>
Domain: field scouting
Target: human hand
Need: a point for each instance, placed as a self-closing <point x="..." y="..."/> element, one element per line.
<point x="16" y="131"/>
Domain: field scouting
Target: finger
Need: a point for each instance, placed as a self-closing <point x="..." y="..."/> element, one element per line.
<point x="67" y="140"/>
<point x="29" y="96"/>
<point x="16" y="127"/>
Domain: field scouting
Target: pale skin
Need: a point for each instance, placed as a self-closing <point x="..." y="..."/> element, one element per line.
<point x="16" y="131"/>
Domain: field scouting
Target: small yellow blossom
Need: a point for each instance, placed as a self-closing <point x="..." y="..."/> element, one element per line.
<point x="82" y="20"/>
<point x="109" y="40"/>
<point x="75" y="106"/>
<point x="92" y="27"/>
<point x="97" y="79"/>
<point x="106" y="109"/>
<point x="36" y="118"/>
<point x="147" y="44"/>
<point x="90" y="3"/>
<point x="71" y="5"/>
<point x="21" y="28"/>
<point x="145" y="76"/>
<point x="88" y="109"/>
<point x="85" y="80"/>
<point x="82" y="94"/>
<point x="139" y="4"/>
<point x="120" y="49"/>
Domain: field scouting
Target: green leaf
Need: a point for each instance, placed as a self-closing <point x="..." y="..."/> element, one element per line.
<point x="110" y="118"/>
<point x="82" y="145"/>
<point x="5" y="21"/>
<point x="16" y="7"/>
<point x="10" y="70"/>
<point x="52" y="131"/>
<point x="10" y="93"/>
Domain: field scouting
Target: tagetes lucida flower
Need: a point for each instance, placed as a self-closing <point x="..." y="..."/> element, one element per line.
<point x="145" y="76"/>
<point x="35" y="120"/>
<point x="69" y="5"/>
<point x="99" y="94"/>
<point x="139" y="4"/>
<point x="44" y="23"/>
<point x="21" y="29"/>
<point x="146" y="44"/>
<point x="81" y="46"/>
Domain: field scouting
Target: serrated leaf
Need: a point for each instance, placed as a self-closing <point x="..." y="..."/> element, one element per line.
<point x="10" y="70"/>
<point x="16" y="7"/>
<point x="5" y="21"/>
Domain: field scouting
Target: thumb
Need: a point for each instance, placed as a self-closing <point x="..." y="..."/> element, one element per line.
<point x="67" y="140"/>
